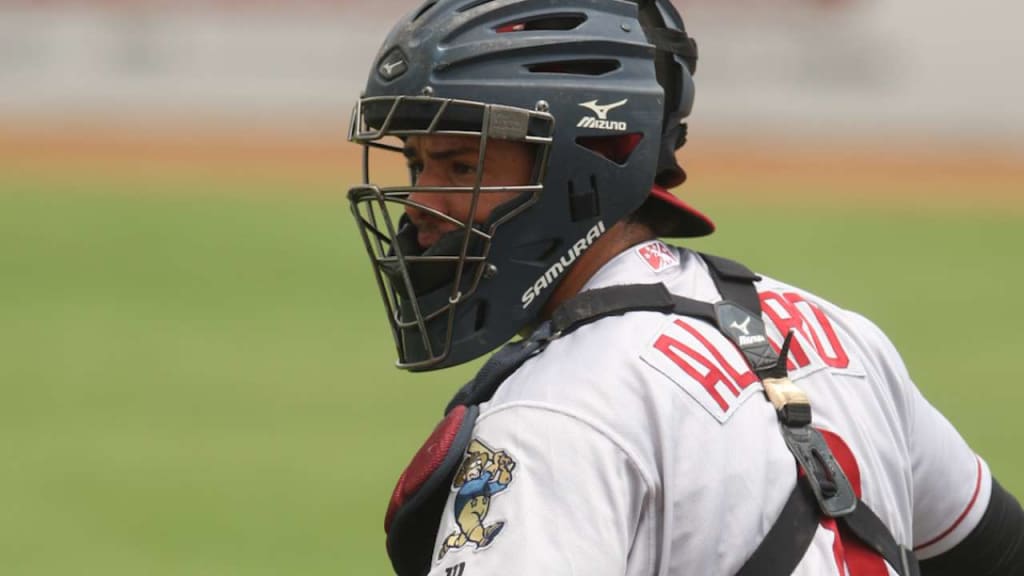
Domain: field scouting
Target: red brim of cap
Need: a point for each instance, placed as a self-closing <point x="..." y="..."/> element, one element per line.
<point x="690" y="222"/>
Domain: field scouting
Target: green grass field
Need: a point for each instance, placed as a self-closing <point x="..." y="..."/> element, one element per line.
<point x="201" y="384"/>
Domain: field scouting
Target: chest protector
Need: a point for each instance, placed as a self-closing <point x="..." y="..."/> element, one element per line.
<point x="822" y="490"/>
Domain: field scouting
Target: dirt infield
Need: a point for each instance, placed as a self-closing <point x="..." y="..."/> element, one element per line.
<point x="899" y="174"/>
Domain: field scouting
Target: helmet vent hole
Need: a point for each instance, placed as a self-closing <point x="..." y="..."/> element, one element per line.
<point x="472" y="5"/>
<point x="426" y="7"/>
<point x="549" y="22"/>
<point x="578" y="67"/>
<point x="617" y="148"/>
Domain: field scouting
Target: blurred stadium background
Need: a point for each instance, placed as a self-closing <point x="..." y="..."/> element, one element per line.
<point x="194" y="368"/>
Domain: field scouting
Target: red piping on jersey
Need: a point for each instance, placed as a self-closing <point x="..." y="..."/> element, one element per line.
<point x="970" y="505"/>
<point x="860" y="560"/>
<point x="838" y="552"/>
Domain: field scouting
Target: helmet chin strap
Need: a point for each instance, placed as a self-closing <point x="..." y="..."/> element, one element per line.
<point x="669" y="43"/>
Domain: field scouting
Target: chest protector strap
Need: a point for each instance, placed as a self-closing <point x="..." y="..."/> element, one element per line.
<point x="821" y="490"/>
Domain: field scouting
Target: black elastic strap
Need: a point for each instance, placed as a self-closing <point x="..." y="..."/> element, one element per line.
<point x="675" y="42"/>
<point x="664" y="61"/>
<point x="667" y="40"/>
<point x="593" y="305"/>
<point x="734" y="281"/>
<point x="788" y="539"/>
<point x="499" y="367"/>
<point x="730" y="269"/>
<point x="599" y="303"/>
<point x="869" y="529"/>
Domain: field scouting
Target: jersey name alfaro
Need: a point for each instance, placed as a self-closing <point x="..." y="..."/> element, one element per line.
<point x="564" y="262"/>
<point x="702" y="362"/>
<point x="710" y="369"/>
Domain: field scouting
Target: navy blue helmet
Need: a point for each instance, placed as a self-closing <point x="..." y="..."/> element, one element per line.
<point x="598" y="90"/>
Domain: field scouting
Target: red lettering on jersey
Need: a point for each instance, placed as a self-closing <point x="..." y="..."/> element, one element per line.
<point x="718" y="371"/>
<point x="861" y="560"/>
<point x="787" y="319"/>
<point x="668" y="346"/>
<point x="835" y="356"/>
<point x="784" y="311"/>
<point x="742" y="379"/>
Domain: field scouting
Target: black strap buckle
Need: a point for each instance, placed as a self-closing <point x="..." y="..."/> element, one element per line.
<point x="831" y="487"/>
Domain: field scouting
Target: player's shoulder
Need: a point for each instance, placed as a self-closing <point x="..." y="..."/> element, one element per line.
<point x="658" y="364"/>
<point x="602" y="354"/>
<point x="776" y="293"/>
<point x="596" y="383"/>
<point x="653" y="362"/>
<point x="840" y="337"/>
<point x="622" y="358"/>
<point x="608" y="352"/>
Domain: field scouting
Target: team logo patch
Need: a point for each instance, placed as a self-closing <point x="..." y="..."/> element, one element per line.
<point x="657" y="256"/>
<point x="483" y="474"/>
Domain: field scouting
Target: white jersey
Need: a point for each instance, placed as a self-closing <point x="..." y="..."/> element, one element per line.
<point x="642" y="444"/>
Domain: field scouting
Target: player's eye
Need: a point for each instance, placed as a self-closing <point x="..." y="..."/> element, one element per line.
<point x="463" y="169"/>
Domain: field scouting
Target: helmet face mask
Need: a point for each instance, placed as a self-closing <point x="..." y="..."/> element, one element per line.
<point x="426" y="288"/>
<point x="577" y="83"/>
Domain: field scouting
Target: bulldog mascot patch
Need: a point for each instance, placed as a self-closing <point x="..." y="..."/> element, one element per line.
<point x="483" y="474"/>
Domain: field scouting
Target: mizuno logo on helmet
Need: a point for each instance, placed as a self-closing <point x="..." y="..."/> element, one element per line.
<point x="393" y="65"/>
<point x="602" y="110"/>
<point x="601" y="122"/>
<point x="563" y="264"/>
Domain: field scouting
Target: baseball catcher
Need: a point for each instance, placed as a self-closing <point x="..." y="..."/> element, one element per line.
<point x="662" y="412"/>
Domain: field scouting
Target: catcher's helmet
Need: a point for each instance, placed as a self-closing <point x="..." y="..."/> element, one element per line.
<point x="599" y="88"/>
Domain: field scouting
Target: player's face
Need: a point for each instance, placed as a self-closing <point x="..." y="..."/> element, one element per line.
<point x="444" y="160"/>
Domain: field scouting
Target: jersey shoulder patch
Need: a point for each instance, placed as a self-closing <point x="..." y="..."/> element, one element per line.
<point x="657" y="255"/>
<point x="483" y="474"/>
<point x="704" y="364"/>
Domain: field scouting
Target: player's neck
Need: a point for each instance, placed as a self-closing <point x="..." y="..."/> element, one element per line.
<point x="618" y="238"/>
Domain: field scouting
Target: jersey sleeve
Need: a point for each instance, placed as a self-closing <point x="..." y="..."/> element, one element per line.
<point x="540" y="492"/>
<point x="950" y="483"/>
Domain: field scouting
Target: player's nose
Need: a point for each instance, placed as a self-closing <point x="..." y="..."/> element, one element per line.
<point x="427" y="211"/>
<point x="426" y="203"/>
